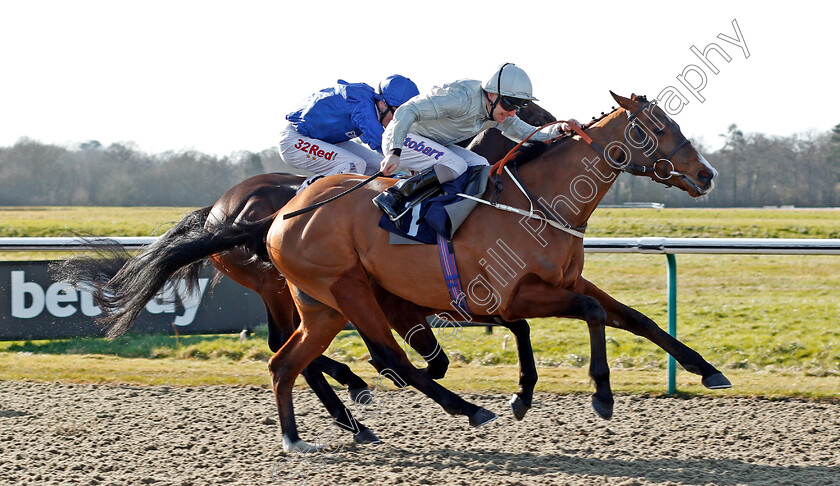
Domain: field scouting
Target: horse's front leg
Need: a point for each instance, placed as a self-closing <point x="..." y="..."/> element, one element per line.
<point x="409" y="320"/>
<point x="624" y="317"/>
<point x="279" y="332"/>
<point x="535" y="298"/>
<point x="522" y="400"/>
<point x="342" y="416"/>
<point x="357" y="302"/>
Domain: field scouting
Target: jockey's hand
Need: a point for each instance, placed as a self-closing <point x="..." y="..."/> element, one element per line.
<point x="566" y="126"/>
<point x="390" y="164"/>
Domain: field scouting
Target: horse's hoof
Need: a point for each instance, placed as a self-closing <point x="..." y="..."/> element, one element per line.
<point x="716" y="382"/>
<point x="481" y="417"/>
<point x="366" y="436"/>
<point x="297" y="446"/>
<point x="362" y="396"/>
<point x="518" y="407"/>
<point x="602" y="408"/>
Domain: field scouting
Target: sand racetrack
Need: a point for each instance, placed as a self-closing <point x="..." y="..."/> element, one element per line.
<point x="130" y="435"/>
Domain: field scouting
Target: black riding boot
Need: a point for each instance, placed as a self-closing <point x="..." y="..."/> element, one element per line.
<point x="390" y="200"/>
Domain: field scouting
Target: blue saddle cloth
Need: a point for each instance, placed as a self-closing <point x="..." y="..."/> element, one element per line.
<point x="441" y="214"/>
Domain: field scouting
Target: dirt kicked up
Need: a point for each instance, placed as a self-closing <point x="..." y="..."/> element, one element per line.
<point x="53" y="434"/>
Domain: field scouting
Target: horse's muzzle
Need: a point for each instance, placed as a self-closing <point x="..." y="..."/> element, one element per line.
<point x="704" y="179"/>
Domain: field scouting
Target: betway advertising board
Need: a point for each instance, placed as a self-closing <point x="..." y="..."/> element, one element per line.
<point x="33" y="306"/>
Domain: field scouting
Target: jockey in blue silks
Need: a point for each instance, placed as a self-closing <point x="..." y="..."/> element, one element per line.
<point x="319" y="135"/>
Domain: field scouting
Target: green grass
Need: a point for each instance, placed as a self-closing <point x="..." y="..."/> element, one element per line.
<point x="777" y="313"/>
<point x="716" y="223"/>
<point x="771" y="320"/>
<point x="226" y="348"/>
<point x="103" y="221"/>
<point x="612" y="222"/>
<point x="94" y="368"/>
<point x="82" y="220"/>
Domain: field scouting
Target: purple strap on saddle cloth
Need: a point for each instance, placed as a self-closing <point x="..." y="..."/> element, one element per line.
<point x="446" y="251"/>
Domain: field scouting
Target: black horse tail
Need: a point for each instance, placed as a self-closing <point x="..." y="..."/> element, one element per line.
<point x="122" y="284"/>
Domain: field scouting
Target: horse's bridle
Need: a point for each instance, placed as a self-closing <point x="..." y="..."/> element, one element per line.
<point x="650" y="149"/>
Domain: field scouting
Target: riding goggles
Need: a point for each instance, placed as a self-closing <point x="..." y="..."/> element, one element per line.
<point x="509" y="103"/>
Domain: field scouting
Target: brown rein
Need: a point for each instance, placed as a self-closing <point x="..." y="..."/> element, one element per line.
<point x="496" y="169"/>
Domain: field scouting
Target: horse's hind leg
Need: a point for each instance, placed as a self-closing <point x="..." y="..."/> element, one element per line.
<point x="421" y="339"/>
<point x="342" y="373"/>
<point x="356" y="300"/>
<point x="624" y="317"/>
<point x="278" y="333"/>
<point x="320" y="325"/>
<point x="282" y="319"/>
<point x="313" y="373"/>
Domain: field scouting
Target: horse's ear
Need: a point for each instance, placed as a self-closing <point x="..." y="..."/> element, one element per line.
<point x="626" y="103"/>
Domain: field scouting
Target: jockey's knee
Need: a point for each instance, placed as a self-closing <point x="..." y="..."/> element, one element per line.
<point x="473" y="159"/>
<point x="446" y="173"/>
<point x="359" y="167"/>
<point x="354" y="167"/>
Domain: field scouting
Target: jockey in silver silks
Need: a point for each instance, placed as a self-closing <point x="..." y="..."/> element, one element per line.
<point x="425" y="130"/>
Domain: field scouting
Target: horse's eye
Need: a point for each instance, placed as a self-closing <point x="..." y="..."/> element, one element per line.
<point x="659" y="131"/>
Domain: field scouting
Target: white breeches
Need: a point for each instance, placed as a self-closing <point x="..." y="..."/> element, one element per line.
<point x="325" y="158"/>
<point x="450" y="161"/>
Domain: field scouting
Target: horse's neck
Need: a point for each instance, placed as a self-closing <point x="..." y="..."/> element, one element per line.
<point x="573" y="178"/>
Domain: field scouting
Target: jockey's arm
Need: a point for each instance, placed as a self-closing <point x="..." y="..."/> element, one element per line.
<point x="517" y="130"/>
<point x="406" y="115"/>
<point x="394" y="137"/>
<point x="365" y="120"/>
<point x="428" y="107"/>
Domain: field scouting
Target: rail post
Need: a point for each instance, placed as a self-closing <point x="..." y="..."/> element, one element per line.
<point x="672" y="319"/>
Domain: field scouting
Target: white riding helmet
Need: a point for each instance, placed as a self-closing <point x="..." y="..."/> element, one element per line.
<point x="510" y="80"/>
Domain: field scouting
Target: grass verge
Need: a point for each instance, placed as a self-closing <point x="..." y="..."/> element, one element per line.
<point x="462" y="378"/>
<point x="769" y="322"/>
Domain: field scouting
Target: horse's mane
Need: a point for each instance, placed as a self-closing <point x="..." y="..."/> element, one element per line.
<point x="531" y="151"/>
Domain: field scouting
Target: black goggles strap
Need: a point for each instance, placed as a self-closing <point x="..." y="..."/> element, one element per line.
<point x="391" y="109"/>
<point x="492" y="103"/>
<point x="498" y="90"/>
<point x="388" y="109"/>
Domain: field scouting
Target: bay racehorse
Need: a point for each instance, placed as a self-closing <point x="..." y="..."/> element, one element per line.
<point x="123" y="283"/>
<point x="332" y="256"/>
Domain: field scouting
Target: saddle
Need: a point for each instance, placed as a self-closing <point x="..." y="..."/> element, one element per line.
<point x="440" y="212"/>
